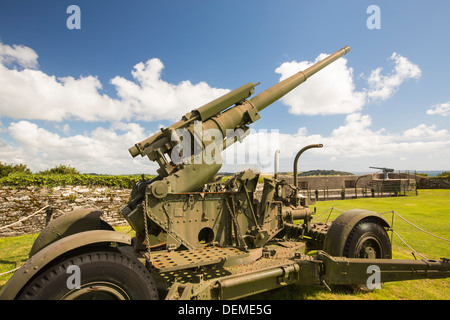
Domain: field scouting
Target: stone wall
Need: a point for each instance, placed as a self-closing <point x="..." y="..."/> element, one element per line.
<point x="18" y="203"/>
<point x="320" y="182"/>
<point x="434" y="183"/>
<point x="351" y="181"/>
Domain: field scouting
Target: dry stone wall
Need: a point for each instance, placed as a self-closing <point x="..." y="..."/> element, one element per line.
<point x="18" y="203"/>
<point x="435" y="183"/>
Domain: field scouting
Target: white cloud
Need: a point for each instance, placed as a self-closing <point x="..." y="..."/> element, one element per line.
<point x="151" y="98"/>
<point x="424" y="131"/>
<point x="330" y="91"/>
<point x="355" y="145"/>
<point x="442" y="109"/>
<point x="18" y="54"/>
<point x="32" y="94"/>
<point x="382" y="87"/>
<point x="356" y="138"/>
<point x="104" y="150"/>
<point x="64" y="128"/>
<point x="9" y="154"/>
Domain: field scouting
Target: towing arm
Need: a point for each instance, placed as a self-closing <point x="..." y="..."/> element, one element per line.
<point x="319" y="270"/>
<point x="339" y="270"/>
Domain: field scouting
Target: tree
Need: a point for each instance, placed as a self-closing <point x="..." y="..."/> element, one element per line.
<point x="6" y="169"/>
<point x="61" y="169"/>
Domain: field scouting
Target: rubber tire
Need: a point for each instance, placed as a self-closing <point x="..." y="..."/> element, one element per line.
<point x="368" y="239"/>
<point x="103" y="274"/>
<point x="368" y="230"/>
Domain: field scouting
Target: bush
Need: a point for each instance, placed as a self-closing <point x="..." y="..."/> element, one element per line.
<point x="6" y="169"/>
<point x="61" y="169"/>
<point x="422" y="174"/>
<point x="20" y="176"/>
<point x="52" y="180"/>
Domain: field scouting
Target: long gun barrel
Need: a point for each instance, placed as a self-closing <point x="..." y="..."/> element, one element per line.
<point x="277" y="91"/>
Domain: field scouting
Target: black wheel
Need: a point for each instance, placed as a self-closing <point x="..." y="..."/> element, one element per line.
<point x="103" y="275"/>
<point x="367" y="240"/>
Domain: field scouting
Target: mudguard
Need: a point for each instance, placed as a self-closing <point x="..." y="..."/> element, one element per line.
<point x="44" y="256"/>
<point x="70" y="223"/>
<point x="341" y="227"/>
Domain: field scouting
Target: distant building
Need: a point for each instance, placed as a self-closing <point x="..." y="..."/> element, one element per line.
<point x="358" y="185"/>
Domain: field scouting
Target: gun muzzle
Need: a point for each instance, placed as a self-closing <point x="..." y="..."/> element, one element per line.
<point x="277" y="91"/>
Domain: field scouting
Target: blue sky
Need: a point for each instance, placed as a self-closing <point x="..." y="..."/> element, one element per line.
<point x="83" y="97"/>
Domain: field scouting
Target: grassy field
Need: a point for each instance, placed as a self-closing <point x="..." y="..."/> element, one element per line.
<point x="430" y="210"/>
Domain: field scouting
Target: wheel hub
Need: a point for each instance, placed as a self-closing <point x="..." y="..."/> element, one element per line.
<point x="97" y="291"/>
<point x="369" y="249"/>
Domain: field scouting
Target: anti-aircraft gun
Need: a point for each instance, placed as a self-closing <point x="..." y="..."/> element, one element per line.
<point x="386" y="171"/>
<point x="198" y="237"/>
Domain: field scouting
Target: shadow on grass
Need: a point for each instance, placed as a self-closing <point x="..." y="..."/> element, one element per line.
<point x="296" y="292"/>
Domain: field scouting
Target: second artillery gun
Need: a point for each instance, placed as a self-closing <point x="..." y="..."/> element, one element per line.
<point x="386" y="171"/>
<point x="198" y="237"/>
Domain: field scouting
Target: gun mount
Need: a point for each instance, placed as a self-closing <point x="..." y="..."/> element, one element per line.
<point x="198" y="237"/>
<point x="385" y="171"/>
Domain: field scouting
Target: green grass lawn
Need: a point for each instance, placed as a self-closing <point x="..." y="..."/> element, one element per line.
<point x="430" y="210"/>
